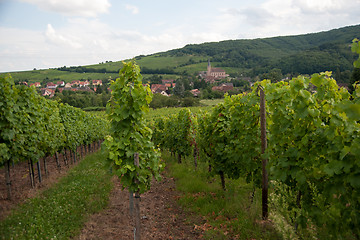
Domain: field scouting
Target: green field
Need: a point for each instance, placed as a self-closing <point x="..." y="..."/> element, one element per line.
<point x="207" y="104"/>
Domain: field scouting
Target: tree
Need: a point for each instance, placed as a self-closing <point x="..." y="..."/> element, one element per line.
<point x="355" y="78"/>
<point x="179" y="89"/>
<point x="274" y="75"/>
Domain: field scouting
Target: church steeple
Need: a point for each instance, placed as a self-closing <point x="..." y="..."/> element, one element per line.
<point x="208" y="73"/>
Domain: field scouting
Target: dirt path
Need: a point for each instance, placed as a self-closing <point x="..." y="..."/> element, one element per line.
<point x="162" y="218"/>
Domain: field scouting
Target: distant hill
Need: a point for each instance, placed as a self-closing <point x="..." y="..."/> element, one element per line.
<point x="300" y="54"/>
<point x="304" y="54"/>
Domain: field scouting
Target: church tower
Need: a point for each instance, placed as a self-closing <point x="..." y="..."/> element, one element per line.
<point x="208" y="73"/>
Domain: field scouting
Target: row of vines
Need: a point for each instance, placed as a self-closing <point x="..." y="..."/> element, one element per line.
<point x="32" y="128"/>
<point x="313" y="148"/>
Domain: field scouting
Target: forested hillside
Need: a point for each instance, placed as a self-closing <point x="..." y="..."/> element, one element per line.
<point x="303" y="54"/>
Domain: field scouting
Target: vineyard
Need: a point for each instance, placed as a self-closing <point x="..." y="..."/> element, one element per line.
<point x="313" y="148"/>
<point x="298" y="141"/>
<point x="33" y="128"/>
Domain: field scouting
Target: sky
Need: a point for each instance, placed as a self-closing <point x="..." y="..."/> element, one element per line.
<point x="45" y="34"/>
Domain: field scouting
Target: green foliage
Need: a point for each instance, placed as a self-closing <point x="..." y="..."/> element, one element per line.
<point x="355" y="47"/>
<point x="160" y="101"/>
<point x="174" y="133"/>
<point x="32" y="126"/>
<point x="129" y="133"/>
<point x="313" y="149"/>
<point x="228" y="137"/>
<point x="83" y="99"/>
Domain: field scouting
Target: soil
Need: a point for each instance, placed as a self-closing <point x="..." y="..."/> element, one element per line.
<point x="161" y="216"/>
<point x="21" y="188"/>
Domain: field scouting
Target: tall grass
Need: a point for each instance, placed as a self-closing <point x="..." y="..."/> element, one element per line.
<point x="226" y="214"/>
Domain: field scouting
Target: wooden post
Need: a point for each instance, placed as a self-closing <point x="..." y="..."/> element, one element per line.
<point x="131" y="202"/>
<point x="196" y="154"/>
<point x="31" y="173"/>
<point x="39" y="170"/>
<point x="71" y="157"/>
<point x="45" y="166"/>
<point x="65" y="157"/>
<point x="222" y="178"/>
<point x="7" y="178"/>
<point x="57" y="160"/>
<point x="264" y="160"/>
<point x="137" y="205"/>
<point x="75" y="152"/>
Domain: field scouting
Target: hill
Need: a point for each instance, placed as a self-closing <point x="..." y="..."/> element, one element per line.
<point x="300" y="54"/>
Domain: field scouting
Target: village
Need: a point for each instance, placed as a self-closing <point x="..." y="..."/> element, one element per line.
<point x="211" y="76"/>
<point x="76" y="85"/>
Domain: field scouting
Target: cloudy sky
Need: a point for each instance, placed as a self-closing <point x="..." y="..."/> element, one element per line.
<point x="51" y="33"/>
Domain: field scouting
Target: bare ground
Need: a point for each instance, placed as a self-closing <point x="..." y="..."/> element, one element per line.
<point x="161" y="217"/>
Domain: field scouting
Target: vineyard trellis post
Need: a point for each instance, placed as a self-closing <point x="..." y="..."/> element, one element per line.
<point x="131" y="202"/>
<point x="8" y="181"/>
<point x="39" y="170"/>
<point x="264" y="159"/>
<point x="137" y="204"/>
<point x="57" y="160"/>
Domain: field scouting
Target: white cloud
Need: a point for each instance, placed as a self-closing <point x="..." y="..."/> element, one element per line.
<point x="323" y="6"/>
<point x="83" y="40"/>
<point x="84" y="8"/>
<point x="61" y="40"/>
<point x="133" y="9"/>
<point x="279" y="17"/>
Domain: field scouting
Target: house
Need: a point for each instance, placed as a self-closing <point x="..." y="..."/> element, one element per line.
<point x="68" y="85"/>
<point x="60" y="89"/>
<point x="84" y="83"/>
<point x="51" y="85"/>
<point x="344" y="85"/>
<point x="96" y="82"/>
<point x="60" y="83"/>
<point x="158" y="88"/>
<point x="75" y="82"/>
<point x="83" y="89"/>
<point x="164" y="81"/>
<point x="224" y="87"/>
<point x="195" y="92"/>
<point x="164" y="93"/>
<point x="48" y="92"/>
<point x="23" y="83"/>
<point x="37" y="84"/>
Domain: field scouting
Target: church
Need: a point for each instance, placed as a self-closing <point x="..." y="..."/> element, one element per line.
<point x="213" y="74"/>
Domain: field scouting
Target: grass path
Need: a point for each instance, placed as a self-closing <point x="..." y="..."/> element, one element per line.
<point x="226" y="215"/>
